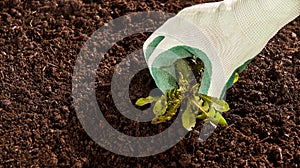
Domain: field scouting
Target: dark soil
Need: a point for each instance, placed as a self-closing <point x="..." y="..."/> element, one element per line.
<point x="39" y="43"/>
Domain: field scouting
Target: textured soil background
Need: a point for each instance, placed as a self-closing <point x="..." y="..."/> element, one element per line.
<point x="39" y="43"/>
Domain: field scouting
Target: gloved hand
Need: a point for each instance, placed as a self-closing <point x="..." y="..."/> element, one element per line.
<point x="225" y="35"/>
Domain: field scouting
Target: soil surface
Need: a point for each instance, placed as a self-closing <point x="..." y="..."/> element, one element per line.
<point x="39" y="44"/>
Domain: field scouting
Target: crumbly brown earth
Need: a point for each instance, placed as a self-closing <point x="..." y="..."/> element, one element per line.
<point x="39" y="43"/>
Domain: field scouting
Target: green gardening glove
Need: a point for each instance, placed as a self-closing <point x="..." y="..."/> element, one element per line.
<point x="225" y="35"/>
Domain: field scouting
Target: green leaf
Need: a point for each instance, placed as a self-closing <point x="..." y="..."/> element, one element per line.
<point x="211" y="113"/>
<point x="201" y="116"/>
<point x="205" y="106"/>
<point x="188" y="118"/>
<point x="219" y="119"/>
<point x="206" y="98"/>
<point x="169" y="111"/>
<point x="160" y="106"/>
<point x="173" y="106"/>
<point x="219" y="105"/>
<point x="236" y="77"/>
<point x="144" y="101"/>
<point x="160" y="119"/>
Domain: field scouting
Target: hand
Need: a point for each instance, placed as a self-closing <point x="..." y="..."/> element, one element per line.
<point x="225" y="35"/>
